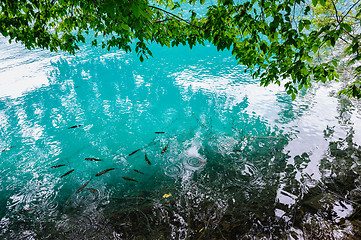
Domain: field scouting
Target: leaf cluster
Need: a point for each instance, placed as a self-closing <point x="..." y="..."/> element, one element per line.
<point x="277" y="40"/>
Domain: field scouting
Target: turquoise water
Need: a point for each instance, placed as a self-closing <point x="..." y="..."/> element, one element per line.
<point x="239" y="160"/>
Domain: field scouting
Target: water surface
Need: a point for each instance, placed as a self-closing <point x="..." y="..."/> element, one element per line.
<point x="233" y="160"/>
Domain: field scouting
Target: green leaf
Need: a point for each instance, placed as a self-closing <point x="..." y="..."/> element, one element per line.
<point x="293" y="96"/>
<point x="300" y="26"/>
<point x="323" y="3"/>
<point x="314" y="49"/>
<point x="135" y="10"/>
<point x="314" y="2"/>
<point x="347" y="27"/>
<point x="124" y="26"/>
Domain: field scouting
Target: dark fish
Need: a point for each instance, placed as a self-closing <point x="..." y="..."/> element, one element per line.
<point x="104" y="171"/>
<point x="159" y="132"/>
<point x="93" y="159"/>
<point x="237" y="150"/>
<point x="165" y="148"/>
<point x="25" y="210"/>
<point x="56" y="166"/>
<point x="7" y="148"/>
<point x="67" y="173"/>
<point x="74" y="126"/>
<point x="129" y="179"/>
<point x="82" y="187"/>
<point x="93" y="190"/>
<point x="138" y="171"/>
<point x="134" y="152"/>
<point x="147" y="160"/>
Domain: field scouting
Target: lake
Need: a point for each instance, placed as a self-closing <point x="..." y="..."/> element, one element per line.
<point x="185" y="145"/>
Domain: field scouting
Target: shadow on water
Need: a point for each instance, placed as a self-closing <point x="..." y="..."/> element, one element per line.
<point x="220" y="167"/>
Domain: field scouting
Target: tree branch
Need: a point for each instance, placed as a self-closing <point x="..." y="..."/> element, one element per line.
<point x="334" y="6"/>
<point x="350" y="10"/>
<point x="174" y="15"/>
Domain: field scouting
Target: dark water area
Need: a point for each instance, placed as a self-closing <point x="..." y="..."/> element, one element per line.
<point x="216" y="155"/>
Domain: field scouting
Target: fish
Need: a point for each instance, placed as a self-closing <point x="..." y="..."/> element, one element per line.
<point x="129" y="179"/>
<point x="104" y="171"/>
<point x="237" y="150"/>
<point x="147" y="160"/>
<point x="135" y="170"/>
<point x="165" y="148"/>
<point x="93" y="190"/>
<point x="76" y="126"/>
<point x="56" y="166"/>
<point x="67" y="173"/>
<point x="6" y="149"/>
<point x="82" y="187"/>
<point x="159" y="132"/>
<point x="25" y="210"/>
<point x="93" y="159"/>
<point x="134" y="151"/>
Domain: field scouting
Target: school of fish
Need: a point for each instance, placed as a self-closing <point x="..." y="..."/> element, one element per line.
<point x="93" y="190"/>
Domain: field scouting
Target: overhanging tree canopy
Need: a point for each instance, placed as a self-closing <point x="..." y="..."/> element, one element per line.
<point x="276" y="39"/>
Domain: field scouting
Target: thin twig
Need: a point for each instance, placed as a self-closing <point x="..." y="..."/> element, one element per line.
<point x="174" y="15"/>
<point x="350" y="10"/>
<point x="334" y="6"/>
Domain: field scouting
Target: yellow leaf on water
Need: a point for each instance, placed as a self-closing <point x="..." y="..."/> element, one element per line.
<point x="167" y="195"/>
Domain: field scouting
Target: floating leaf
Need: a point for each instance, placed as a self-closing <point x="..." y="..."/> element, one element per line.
<point x="167" y="195"/>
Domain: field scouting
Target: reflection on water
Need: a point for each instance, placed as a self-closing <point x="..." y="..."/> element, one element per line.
<point x="215" y="154"/>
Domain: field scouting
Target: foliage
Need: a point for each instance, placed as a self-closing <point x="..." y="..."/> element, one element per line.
<point x="274" y="39"/>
